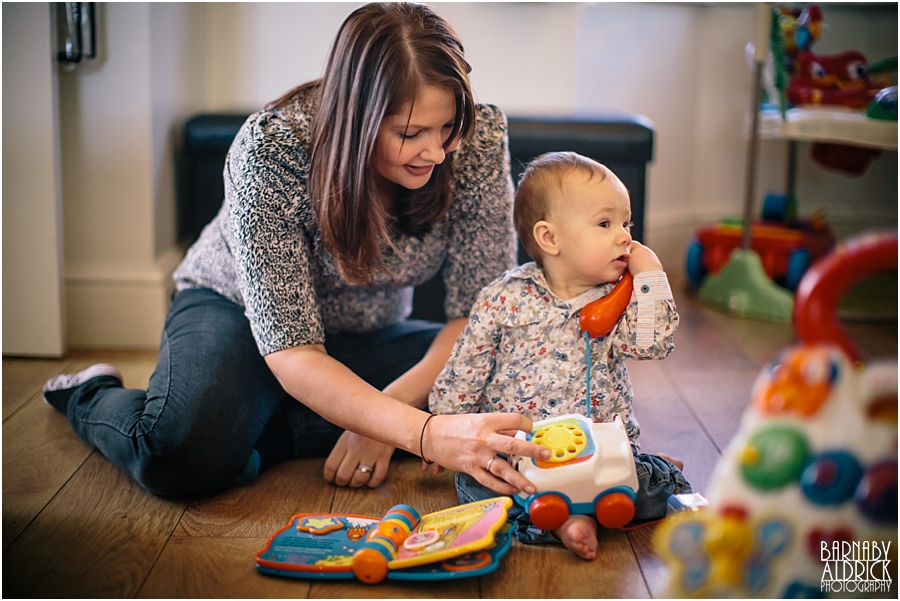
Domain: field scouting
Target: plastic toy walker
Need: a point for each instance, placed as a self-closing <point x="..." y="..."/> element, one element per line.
<point x="591" y="470"/>
<point x="803" y="503"/>
<point x="786" y="249"/>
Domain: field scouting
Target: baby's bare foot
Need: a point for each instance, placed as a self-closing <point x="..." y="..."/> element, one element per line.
<point x="579" y="535"/>
<point x="676" y="462"/>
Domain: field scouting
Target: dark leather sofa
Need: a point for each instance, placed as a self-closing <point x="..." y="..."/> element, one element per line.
<point x="622" y="142"/>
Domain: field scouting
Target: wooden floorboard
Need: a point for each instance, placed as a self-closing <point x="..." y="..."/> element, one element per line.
<point x="99" y="537"/>
<point x="40" y="454"/>
<point x="75" y="526"/>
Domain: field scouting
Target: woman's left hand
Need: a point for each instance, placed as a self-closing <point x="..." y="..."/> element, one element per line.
<point x="352" y="453"/>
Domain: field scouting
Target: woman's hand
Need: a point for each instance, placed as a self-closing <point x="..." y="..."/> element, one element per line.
<point x="470" y="442"/>
<point x="350" y="453"/>
<point x="643" y="259"/>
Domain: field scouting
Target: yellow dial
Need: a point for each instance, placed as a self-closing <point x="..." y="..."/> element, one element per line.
<point x="565" y="441"/>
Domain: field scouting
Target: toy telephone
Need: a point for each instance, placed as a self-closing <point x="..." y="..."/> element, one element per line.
<point x="600" y="316"/>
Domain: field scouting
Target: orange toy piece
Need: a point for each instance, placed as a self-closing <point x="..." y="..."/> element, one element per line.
<point x="800" y="383"/>
<point x="600" y="316"/>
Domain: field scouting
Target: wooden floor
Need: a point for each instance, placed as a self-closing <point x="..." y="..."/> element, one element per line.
<point x="75" y="526"/>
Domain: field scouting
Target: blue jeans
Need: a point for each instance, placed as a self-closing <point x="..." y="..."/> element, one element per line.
<point x="213" y="414"/>
<point x="657" y="481"/>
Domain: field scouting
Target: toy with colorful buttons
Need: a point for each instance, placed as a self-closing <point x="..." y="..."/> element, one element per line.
<point x="804" y="501"/>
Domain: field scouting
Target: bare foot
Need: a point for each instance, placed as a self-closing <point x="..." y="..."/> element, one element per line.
<point x="579" y="535"/>
<point x="676" y="462"/>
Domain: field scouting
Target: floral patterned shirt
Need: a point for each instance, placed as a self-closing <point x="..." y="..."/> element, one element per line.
<point x="523" y="350"/>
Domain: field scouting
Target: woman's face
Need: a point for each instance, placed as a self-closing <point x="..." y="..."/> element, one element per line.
<point x="409" y="145"/>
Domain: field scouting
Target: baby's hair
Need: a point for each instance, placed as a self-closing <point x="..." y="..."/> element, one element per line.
<point x="544" y="176"/>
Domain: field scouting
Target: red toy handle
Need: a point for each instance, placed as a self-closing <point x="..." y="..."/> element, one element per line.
<point x="826" y="282"/>
<point x="598" y="317"/>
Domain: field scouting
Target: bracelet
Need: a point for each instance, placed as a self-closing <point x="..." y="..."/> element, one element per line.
<point x="422" y="439"/>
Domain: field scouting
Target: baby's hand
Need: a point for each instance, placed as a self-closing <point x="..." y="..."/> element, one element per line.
<point x="642" y="259"/>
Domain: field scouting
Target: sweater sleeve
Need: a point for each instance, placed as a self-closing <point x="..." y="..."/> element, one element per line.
<point x="481" y="243"/>
<point x="267" y="203"/>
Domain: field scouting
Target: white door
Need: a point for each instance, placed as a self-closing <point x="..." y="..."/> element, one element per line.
<point x="33" y="287"/>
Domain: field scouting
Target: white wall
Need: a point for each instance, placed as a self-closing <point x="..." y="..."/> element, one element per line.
<point x="33" y="290"/>
<point x="120" y="116"/>
<point x="681" y="65"/>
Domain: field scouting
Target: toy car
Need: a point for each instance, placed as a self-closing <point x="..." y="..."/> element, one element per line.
<point x="786" y="250"/>
<point x="590" y="472"/>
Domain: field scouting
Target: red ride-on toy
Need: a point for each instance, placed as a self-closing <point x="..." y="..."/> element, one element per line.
<point x="786" y="249"/>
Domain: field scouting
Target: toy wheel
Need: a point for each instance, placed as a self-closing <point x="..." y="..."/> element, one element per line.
<point x="798" y="263"/>
<point x="565" y="441"/>
<point x="549" y="512"/>
<point x="694" y="262"/>
<point x="614" y="510"/>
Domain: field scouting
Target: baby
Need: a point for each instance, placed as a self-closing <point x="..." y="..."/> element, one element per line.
<point x="523" y="351"/>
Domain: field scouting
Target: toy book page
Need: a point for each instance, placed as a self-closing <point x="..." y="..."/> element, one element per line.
<point x="320" y="545"/>
<point x="453" y="532"/>
<point x="475" y="563"/>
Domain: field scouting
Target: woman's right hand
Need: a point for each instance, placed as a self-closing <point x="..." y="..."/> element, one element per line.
<point x="470" y="442"/>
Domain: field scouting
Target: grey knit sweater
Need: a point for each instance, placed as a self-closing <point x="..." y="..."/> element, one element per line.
<point x="263" y="249"/>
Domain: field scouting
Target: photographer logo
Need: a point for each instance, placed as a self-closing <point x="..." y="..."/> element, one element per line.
<point x="859" y="567"/>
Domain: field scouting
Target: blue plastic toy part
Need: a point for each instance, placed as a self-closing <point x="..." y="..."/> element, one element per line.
<point x="772" y="539"/>
<point x="801" y="590"/>
<point x="798" y="263"/>
<point x="831" y="478"/>
<point x="694" y="262"/>
<point x="775" y="207"/>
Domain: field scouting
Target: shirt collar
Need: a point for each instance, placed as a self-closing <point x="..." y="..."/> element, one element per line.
<point x="533" y="272"/>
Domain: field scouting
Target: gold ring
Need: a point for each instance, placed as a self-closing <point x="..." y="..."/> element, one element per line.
<point x="490" y="462"/>
<point x="364" y="469"/>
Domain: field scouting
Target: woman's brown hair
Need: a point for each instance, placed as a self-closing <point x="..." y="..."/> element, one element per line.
<point x="383" y="55"/>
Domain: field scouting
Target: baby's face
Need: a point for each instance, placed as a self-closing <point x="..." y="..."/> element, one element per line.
<point x="593" y="221"/>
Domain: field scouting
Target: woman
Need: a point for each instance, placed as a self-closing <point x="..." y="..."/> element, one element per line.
<point x="339" y="197"/>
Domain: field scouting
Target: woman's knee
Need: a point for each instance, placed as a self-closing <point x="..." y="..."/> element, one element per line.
<point x="189" y="469"/>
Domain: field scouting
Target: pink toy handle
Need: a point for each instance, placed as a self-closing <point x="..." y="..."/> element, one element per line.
<point x="824" y="285"/>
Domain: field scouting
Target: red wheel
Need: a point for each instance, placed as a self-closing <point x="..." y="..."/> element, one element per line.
<point x="549" y="512"/>
<point x="614" y="510"/>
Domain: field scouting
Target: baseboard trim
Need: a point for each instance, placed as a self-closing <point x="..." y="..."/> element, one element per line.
<point x="119" y="307"/>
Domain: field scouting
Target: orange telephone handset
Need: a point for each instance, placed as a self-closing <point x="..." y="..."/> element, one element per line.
<point x="598" y="317"/>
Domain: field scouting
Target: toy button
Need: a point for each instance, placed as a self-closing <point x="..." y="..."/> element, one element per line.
<point x="645" y="288"/>
<point x="773" y="457"/>
<point x="420" y="540"/>
<point x="831" y="478"/>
